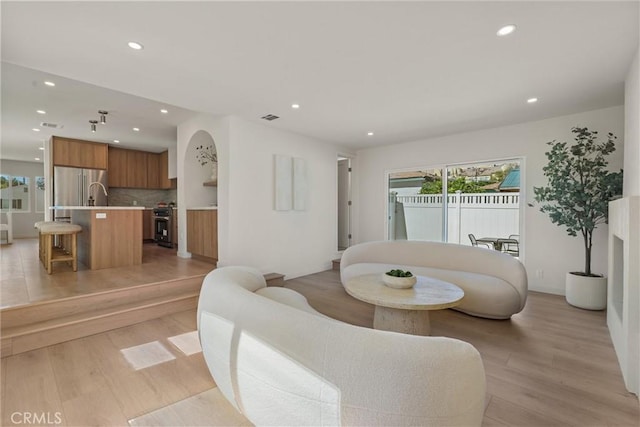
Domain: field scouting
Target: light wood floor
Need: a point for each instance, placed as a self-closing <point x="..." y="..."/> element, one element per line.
<point x="552" y="364"/>
<point x="24" y="280"/>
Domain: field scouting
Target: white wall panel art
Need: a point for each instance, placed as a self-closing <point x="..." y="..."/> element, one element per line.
<point x="290" y="183"/>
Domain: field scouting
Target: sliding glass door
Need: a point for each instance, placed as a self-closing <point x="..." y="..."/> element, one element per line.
<point x="454" y="202"/>
<point x="416" y="205"/>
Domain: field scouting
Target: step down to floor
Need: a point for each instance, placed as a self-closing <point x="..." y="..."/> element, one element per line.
<point x="336" y="264"/>
<point x="42" y="324"/>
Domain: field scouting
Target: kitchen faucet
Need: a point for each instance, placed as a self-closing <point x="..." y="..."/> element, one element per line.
<point x="91" y="201"/>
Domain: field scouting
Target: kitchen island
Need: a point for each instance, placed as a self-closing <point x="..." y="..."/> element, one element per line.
<point x="111" y="235"/>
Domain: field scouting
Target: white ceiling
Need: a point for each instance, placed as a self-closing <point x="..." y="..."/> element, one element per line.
<point x="404" y="70"/>
<point x="72" y="104"/>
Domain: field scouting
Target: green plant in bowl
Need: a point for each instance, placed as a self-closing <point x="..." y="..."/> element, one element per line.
<point x="399" y="273"/>
<point x="399" y="279"/>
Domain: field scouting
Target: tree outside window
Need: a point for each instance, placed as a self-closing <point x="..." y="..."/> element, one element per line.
<point x="14" y="193"/>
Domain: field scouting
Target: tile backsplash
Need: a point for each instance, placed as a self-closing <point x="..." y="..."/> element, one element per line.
<point x="140" y="197"/>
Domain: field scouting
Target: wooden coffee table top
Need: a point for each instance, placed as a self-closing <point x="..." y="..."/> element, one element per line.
<point x="426" y="294"/>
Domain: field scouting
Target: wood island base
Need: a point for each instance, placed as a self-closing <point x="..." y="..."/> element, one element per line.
<point x="110" y="237"/>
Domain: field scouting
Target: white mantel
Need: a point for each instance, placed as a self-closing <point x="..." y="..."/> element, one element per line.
<point x="623" y="313"/>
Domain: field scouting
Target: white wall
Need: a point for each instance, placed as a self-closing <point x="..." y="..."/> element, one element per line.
<point x="546" y="246"/>
<point x="294" y="243"/>
<point x="632" y="130"/>
<point x="250" y="231"/>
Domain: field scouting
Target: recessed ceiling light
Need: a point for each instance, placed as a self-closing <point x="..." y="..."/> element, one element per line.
<point x="52" y="84"/>
<point x="532" y="100"/>
<point x="36" y="158"/>
<point x="506" y="30"/>
<point x="136" y="129"/>
<point x="117" y="141"/>
<point x="369" y="133"/>
<point x="163" y="111"/>
<point x="295" y="106"/>
<point x="41" y="112"/>
<point x="35" y="129"/>
<point x="135" y="45"/>
<point x="41" y="148"/>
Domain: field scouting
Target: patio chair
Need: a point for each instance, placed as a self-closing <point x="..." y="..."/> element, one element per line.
<point x="511" y="245"/>
<point x="474" y="242"/>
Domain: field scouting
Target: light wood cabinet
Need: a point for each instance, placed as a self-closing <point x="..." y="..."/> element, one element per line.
<point x="117" y="171"/>
<point x="202" y="234"/>
<point x="79" y="154"/>
<point x="112" y="240"/>
<point x="153" y="170"/>
<point x="127" y="168"/>
<point x="148" y="227"/>
<point x="139" y="169"/>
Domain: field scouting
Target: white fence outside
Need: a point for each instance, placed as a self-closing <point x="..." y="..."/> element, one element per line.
<point x="419" y="217"/>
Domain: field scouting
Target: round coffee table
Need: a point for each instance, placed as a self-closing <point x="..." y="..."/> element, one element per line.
<point x="404" y="310"/>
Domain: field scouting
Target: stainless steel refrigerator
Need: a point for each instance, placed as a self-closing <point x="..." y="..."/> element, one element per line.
<point x="74" y="187"/>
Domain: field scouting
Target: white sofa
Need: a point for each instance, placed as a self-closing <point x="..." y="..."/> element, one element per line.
<point x="494" y="284"/>
<point x="280" y="362"/>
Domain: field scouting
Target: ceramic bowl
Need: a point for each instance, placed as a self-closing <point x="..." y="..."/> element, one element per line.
<point x="399" y="282"/>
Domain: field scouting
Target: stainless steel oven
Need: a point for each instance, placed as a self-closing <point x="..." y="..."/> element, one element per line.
<point x="163" y="225"/>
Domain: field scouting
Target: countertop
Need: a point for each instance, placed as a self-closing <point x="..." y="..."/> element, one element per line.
<point x="203" y="208"/>
<point x="100" y="208"/>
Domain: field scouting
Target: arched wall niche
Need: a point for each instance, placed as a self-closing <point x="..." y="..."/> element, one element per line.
<point x="196" y="174"/>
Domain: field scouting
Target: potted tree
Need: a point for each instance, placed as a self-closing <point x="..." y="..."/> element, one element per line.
<point x="577" y="197"/>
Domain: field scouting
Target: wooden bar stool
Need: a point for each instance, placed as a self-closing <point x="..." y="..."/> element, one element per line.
<point x="56" y="254"/>
<point x="37" y="226"/>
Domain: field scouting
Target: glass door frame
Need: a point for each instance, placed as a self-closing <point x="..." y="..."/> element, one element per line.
<point x="444" y="168"/>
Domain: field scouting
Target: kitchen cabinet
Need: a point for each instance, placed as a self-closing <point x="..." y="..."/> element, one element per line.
<point x="78" y="153"/>
<point x="138" y="169"/>
<point x="153" y="170"/>
<point x="111" y="236"/>
<point x="202" y="234"/>
<point x="148" y="230"/>
<point x="117" y="172"/>
<point x="127" y="168"/>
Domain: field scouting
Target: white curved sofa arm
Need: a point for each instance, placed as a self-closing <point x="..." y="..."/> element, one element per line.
<point x="486" y="276"/>
<point x="281" y="365"/>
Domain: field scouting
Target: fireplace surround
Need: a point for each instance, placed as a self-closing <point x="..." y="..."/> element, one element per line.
<point x="623" y="302"/>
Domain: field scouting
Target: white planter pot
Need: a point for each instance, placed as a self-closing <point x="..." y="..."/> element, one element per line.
<point x="586" y="292"/>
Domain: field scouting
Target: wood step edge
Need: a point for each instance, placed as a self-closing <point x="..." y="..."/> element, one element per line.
<point x="83" y="317"/>
<point x="40" y="311"/>
<point x="92" y="326"/>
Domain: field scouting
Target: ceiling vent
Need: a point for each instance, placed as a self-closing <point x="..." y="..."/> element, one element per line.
<point x="270" y="117"/>
<point x="51" y="125"/>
